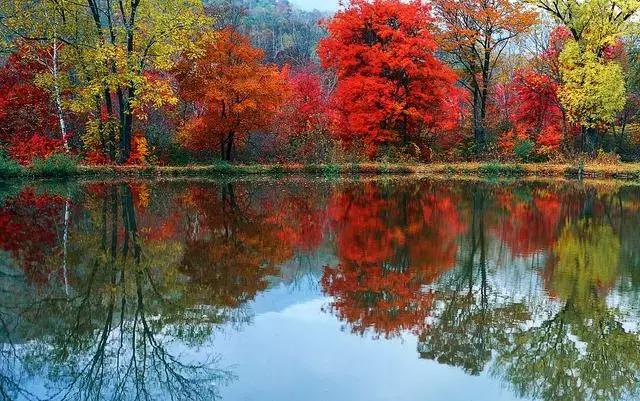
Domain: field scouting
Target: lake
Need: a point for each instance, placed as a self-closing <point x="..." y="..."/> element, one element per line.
<point x="311" y="289"/>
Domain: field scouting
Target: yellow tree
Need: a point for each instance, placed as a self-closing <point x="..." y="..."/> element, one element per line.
<point x="592" y="89"/>
<point x="116" y="51"/>
<point x="595" y="24"/>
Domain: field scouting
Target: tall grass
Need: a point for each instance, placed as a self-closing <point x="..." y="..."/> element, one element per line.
<point x="56" y="165"/>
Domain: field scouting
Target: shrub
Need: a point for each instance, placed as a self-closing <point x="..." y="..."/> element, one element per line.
<point x="523" y="150"/>
<point x="97" y="158"/>
<point x="9" y="167"/>
<point x="139" y="150"/>
<point x="603" y="157"/>
<point x="56" y="165"/>
<point x="495" y="169"/>
<point x="36" y="146"/>
<point x="277" y="169"/>
<point x="178" y="156"/>
<point x="331" y="170"/>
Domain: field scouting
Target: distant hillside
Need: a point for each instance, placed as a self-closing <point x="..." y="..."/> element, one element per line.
<point x="286" y="33"/>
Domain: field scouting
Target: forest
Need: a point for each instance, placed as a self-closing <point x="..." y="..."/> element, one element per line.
<point x="187" y="82"/>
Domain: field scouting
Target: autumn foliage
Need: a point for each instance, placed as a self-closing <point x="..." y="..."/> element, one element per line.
<point x="389" y="248"/>
<point x="232" y="92"/>
<point x="537" y="114"/>
<point x="393" y="80"/>
<point x="391" y="87"/>
<point x="306" y="106"/>
<point x="29" y="225"/>
<point x="475" y="33"/>
<point x="27" y="121"/>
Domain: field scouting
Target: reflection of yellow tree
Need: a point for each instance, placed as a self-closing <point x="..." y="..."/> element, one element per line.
<point x="587" y="256"/>
<point x="582" y="352"/>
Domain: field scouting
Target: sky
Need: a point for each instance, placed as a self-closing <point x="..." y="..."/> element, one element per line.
<point x="322" y="5"/>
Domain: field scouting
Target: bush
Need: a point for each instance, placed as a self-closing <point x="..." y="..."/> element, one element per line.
<point x="331" y="170"/>
<point x="178" y="156"/>
<point x="603" y="157"/>
<point x="524" y="150"/>
<point x="56" y="165"/>
<point x="9" y="167"/>
<point x="495" y="169"/>
<point x="277" y="169"/>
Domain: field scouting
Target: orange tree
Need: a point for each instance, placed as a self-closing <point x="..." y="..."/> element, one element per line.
<point x="231" y="91"/>
<point x="390" y="86"/>
<point x="474" y="35"/>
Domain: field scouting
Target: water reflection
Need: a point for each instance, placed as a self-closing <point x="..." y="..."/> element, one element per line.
<point x="121" y="290"/>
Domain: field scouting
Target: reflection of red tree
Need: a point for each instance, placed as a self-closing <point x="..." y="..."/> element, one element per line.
<point x="28" y="230"/>
<point x="300" y="222"/>
<point x="372" y="298"/>
<point x="529" y="226"/>
<point x="390" y="246"/>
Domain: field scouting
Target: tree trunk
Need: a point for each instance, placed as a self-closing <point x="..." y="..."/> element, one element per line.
<point x="230" y="141"/>
<point x="126" y="126"/>
<point x="112" y="131"/>
<point x="480" y="134"/>
<point x="478" y="122"/>
<point x="56" y="93"/>
<point x="590" y="140"/>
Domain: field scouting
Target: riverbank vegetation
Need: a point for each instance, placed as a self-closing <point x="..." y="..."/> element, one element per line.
<point x="251" y="86"/>
<point x="61" y="167"/>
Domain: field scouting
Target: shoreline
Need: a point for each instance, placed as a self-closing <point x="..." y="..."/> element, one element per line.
<point x="622" y="171"/>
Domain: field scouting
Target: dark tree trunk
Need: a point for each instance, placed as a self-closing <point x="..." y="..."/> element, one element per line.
<point x="589" y="140"/>
<point x="478" y="122"/>
<point x="230" y="142"/>
<point x="112" y="133"/>
<point x="126" y="114"/>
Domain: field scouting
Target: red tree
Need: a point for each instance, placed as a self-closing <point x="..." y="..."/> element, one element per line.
<point x="391" y="88"/>
<point x="306" y="104"/>
<point x="538" y="111"/>
<point x="232" y="91"/>
<point x="28" y="122"/>
<point x="302" y="122"/>
<point x="550" y="57"/>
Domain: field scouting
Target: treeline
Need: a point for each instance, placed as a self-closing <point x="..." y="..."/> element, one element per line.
<point x="286" y="34"/>
<point x="178" y="82"/>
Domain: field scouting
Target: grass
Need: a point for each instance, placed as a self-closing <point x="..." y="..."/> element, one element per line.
<point x="61" y="166"/>
<point x="9" y="168"/>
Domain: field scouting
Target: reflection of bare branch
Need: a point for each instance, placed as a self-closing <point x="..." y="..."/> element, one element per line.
<point x="107" y="341"/>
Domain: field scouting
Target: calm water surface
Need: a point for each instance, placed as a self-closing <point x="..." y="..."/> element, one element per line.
<point x="297" y="289"/>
